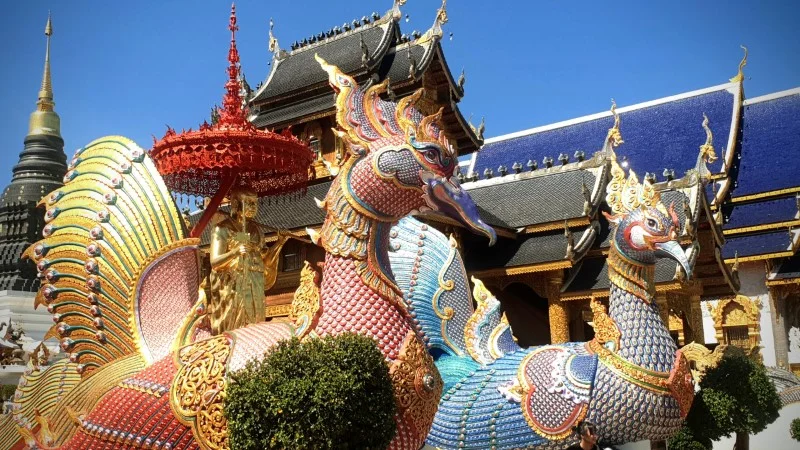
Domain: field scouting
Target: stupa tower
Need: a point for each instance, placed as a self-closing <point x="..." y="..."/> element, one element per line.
<point x="41" y="168"/>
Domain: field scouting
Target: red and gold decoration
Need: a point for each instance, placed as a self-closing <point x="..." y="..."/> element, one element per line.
<point x="211" y="160"/>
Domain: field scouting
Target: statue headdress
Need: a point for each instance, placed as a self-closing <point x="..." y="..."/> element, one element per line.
<point x="364" y="118"/>
<point x="625" y="194"/>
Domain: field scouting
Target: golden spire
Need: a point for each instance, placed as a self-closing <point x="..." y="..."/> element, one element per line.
<point x="740" y="76"/>
<point x="44" y="121"/>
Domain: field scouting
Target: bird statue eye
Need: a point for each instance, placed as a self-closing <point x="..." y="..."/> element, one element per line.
<point x="431" y="156"/>
<point x="652" y="224"/>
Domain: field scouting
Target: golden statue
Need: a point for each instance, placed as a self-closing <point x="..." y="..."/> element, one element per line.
<point x="240" y="270"/>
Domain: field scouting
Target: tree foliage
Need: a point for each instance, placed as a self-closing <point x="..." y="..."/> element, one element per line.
<point x="332" y="392"/>
<point x="795" y="429"/>
<point x="736" y="396"/>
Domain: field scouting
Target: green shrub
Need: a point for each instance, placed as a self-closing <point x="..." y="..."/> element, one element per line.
<point x="326" y="393"/>
<point x="795" y="429"/>
<point x="736" y="396"/>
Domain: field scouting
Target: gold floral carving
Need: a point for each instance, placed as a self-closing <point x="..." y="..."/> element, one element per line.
<point x="306" y="302"/>
<point x="605" y="329"/>
<point x="417" y="384"/>
<point x="197" y="393"/>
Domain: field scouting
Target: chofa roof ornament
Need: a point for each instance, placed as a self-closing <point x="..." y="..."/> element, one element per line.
<point x="625" y="194"/>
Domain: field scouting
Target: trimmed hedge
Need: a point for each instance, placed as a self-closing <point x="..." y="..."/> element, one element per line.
<point x="795" y="429"/>
<point x="326" y="393"/>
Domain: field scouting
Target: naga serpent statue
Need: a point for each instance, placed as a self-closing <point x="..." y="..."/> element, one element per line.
<point x="121" y="280"/>
<point x="630" y="379"/>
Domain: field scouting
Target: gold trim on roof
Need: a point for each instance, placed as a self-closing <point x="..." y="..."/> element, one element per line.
<point x="784" y="281"/>
<point x="769" y="226"/>
<point x="760" y="195"/>
<point x="518" y="270"/>
<point x="761" y="257"/>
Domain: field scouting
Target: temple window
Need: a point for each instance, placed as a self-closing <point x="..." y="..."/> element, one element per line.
<point x="314" y="145"/>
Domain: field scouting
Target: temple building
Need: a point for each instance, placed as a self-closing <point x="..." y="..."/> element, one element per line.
<point x="40" y="169"/>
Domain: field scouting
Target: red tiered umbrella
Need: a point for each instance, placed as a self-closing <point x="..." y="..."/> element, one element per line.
<point x="232" y="152"/>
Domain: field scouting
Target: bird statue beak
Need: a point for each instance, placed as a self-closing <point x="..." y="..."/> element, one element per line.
<point x="449" y="198"/>
<point x="673" y="250"/>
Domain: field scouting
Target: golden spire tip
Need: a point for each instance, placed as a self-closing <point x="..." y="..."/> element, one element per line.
<point x="740" y="75"/>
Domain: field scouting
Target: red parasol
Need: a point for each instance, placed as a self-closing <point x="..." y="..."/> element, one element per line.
<point x="231" y="152"/>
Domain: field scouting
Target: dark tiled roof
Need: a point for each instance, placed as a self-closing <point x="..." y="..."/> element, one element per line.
<point x="291" y="212"/>
<point x="770" y="145"/>
<point x="276" y="116"/>
<point x="535" y="200"/>
<point x="757" y="244"/>
<point x="396" y="63"/>
<point x="525" y="250"/>
<point x="300" y="69"/>
<point x="593" y="274"/>
<point x="760" y="213"/>
<point x="789" y="268"/>
<point x="283" y="212"/>
<point x="665" y="135"/>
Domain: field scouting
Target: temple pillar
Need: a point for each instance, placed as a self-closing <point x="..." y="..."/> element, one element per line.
<point x="779" y="335"/>
<point x="557" y="311"/>
<point x="696" y="320"/>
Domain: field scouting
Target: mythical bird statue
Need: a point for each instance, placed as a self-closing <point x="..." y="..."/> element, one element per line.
<point x="630" y="379"/>
<point x="121" y="279"/>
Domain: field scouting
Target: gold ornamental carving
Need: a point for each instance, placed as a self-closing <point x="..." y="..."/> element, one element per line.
<point x="605" y="329"/>
<point x="417" y="384"/>
<point x="197" y="393"/>
<point x="306" y="302"/>
<point x="737" y="312"/>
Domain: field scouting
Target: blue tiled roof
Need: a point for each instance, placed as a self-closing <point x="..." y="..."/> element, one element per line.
<point x="770" y="147"/>
<point x="772" y="211"/>
<point x="757" y="244"/>
<point x="666" y="135"/>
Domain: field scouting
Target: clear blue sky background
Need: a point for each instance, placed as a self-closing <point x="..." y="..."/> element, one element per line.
<point x="130" y="68"/>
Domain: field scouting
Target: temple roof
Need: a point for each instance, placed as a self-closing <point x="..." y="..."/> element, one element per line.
<point x="758" y="216"/>
<point x="762" y="245"/>
<point x="770" y="146"/>
<point x="592" y="275"/>
<point x="370" y="50"/>
<point x="536" y="197"/>
<point x="529" y="250"/>
<point x="298" y="69"/>
<point x="661" y="134"/>
<point x="787" y="268"/>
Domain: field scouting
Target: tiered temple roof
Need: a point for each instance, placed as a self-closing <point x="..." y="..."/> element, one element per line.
<point x="371" y="49"/>
<point x="761" y="214"/>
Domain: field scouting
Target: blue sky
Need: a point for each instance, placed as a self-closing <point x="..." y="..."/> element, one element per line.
<point x="130" y="68"/>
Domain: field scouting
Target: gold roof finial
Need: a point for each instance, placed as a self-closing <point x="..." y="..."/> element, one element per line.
<point x="614" y="137"/>
<point x="44" y="120"/>
<point x="707" y="152"/>
<point x="740" y="76"/>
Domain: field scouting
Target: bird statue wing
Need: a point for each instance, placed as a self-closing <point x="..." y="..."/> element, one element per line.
<point x="428" y="269"/>
<point x="117" y="273"/>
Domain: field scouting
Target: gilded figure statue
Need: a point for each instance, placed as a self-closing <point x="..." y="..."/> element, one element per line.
<point x="241" y="269"/>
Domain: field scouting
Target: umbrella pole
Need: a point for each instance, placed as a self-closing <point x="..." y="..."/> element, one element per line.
<point x="224" y="187"/>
